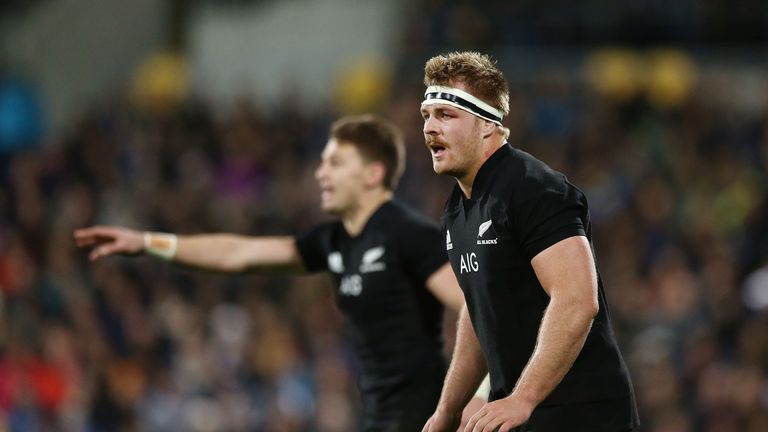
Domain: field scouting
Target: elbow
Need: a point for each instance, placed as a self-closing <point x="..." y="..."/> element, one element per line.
<point x="581" y="305"/>
<point x="591" y="313"/>
<point x="582" y="315"/>
<point x="592" y="308"/>
<point x="581" y="310"/>
<point x="232" y="264"/>
<point x="457" y="304"/>
<point x="588" y="308"/>
<point x="589" y="304"/>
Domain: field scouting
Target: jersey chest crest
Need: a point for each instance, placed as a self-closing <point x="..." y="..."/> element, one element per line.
<point x="356" y="270"/>
<point x="470" y="243"/>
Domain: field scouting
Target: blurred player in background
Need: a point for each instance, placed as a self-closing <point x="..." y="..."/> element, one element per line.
<point x="519" y="241"/>
<point x="388" y="262"/>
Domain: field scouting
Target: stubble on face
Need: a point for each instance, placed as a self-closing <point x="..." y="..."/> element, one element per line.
<point x="462" y="153"/>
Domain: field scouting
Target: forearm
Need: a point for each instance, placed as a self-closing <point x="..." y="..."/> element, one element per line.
<point x="234" y="253"/>
<point x="564" y="328"/>
<point x="468" y="367"/>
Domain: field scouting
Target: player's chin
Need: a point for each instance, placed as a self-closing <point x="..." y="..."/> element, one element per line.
<point x="441" y="167"/>
<point x="330" y="207"/>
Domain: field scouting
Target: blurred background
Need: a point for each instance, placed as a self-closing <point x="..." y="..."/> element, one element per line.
<point x="209" y="115"/>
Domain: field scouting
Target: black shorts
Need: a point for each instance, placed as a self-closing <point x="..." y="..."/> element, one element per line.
<point x="406" y="408"/>
<point x="614" y="415"/>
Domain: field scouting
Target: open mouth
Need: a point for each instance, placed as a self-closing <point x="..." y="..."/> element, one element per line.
<point x="326" y="192"/>
<point x="436" y="149"/>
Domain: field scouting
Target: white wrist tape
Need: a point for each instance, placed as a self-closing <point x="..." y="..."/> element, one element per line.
<point x="161" y="245"/>
<point x="484" y="390"/>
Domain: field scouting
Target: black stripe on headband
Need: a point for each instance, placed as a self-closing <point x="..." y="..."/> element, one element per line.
<point x="463" y="102"/>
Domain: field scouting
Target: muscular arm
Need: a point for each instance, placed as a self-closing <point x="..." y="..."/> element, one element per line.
<point x="445" y="287"/>
<point x="464" y="375"/>
<point x="217" y="252"/>
<point x="566" y="270"/>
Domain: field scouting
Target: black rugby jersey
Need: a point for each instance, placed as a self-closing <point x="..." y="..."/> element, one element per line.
<point x="394" y="323"/>
<point x="518" y="208"/>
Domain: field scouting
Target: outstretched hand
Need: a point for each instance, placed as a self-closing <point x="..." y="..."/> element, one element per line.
<point x="109" y="240"/>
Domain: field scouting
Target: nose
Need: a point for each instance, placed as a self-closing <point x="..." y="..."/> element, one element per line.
<point x="319" y="172"/>
<point x="429" y="126"/>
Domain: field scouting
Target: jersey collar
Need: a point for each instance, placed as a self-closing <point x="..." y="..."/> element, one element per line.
<point x="484" y="175"/>
<point x="377" y="218"/>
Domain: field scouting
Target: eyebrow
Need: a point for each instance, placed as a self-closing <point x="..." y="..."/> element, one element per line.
<point x="436" y="109"/>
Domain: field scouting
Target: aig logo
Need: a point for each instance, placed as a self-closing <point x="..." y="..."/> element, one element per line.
<point x="351" y="285"/>
<point x="469" y="263"/>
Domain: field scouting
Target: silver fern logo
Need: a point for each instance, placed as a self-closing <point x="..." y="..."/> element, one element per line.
<point x="370" y="261"/>
<point x="484" y="227"/>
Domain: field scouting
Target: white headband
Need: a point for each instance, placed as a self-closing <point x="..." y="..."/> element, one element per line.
<point x="462" y="100"/>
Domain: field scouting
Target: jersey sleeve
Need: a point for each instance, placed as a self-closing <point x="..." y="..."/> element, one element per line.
<point x="549" y="210"/>
<point x="313" y="247"/>
<point x="422" y="249"/>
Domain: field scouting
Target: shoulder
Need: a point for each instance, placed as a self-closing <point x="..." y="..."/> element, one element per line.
<point x="533" y="170"/>
<point x="315" y="244"/>
<point x="417" y="240"/>
<point x="403" y="212"/>
<point x="406" y="229"/>
<point x="333" y="226"/>
<point x="402" y="217"/>
<point x="323" y="232"/>
<point x="528" y="177"/>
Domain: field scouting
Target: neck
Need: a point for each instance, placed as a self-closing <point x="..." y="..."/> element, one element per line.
<point x="355" y="219"/>
<point x="488" y="147"/>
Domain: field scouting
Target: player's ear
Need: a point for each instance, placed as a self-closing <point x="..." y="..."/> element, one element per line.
<point x="375" y="174"/>
<point x="489" y="128"/>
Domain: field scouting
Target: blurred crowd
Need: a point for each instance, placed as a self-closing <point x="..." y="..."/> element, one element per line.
<point x="680" y="228"/>
<point x="678" y="194"/>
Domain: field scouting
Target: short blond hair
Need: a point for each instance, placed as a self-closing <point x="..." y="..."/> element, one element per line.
<point x="476" y="71"/>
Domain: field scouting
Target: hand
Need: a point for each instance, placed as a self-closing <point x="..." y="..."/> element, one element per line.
<point x="501" y="415"/>
<point x="442" y="421"/>
<point x="110" y="240"/>
<point x="472" y="407"/>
